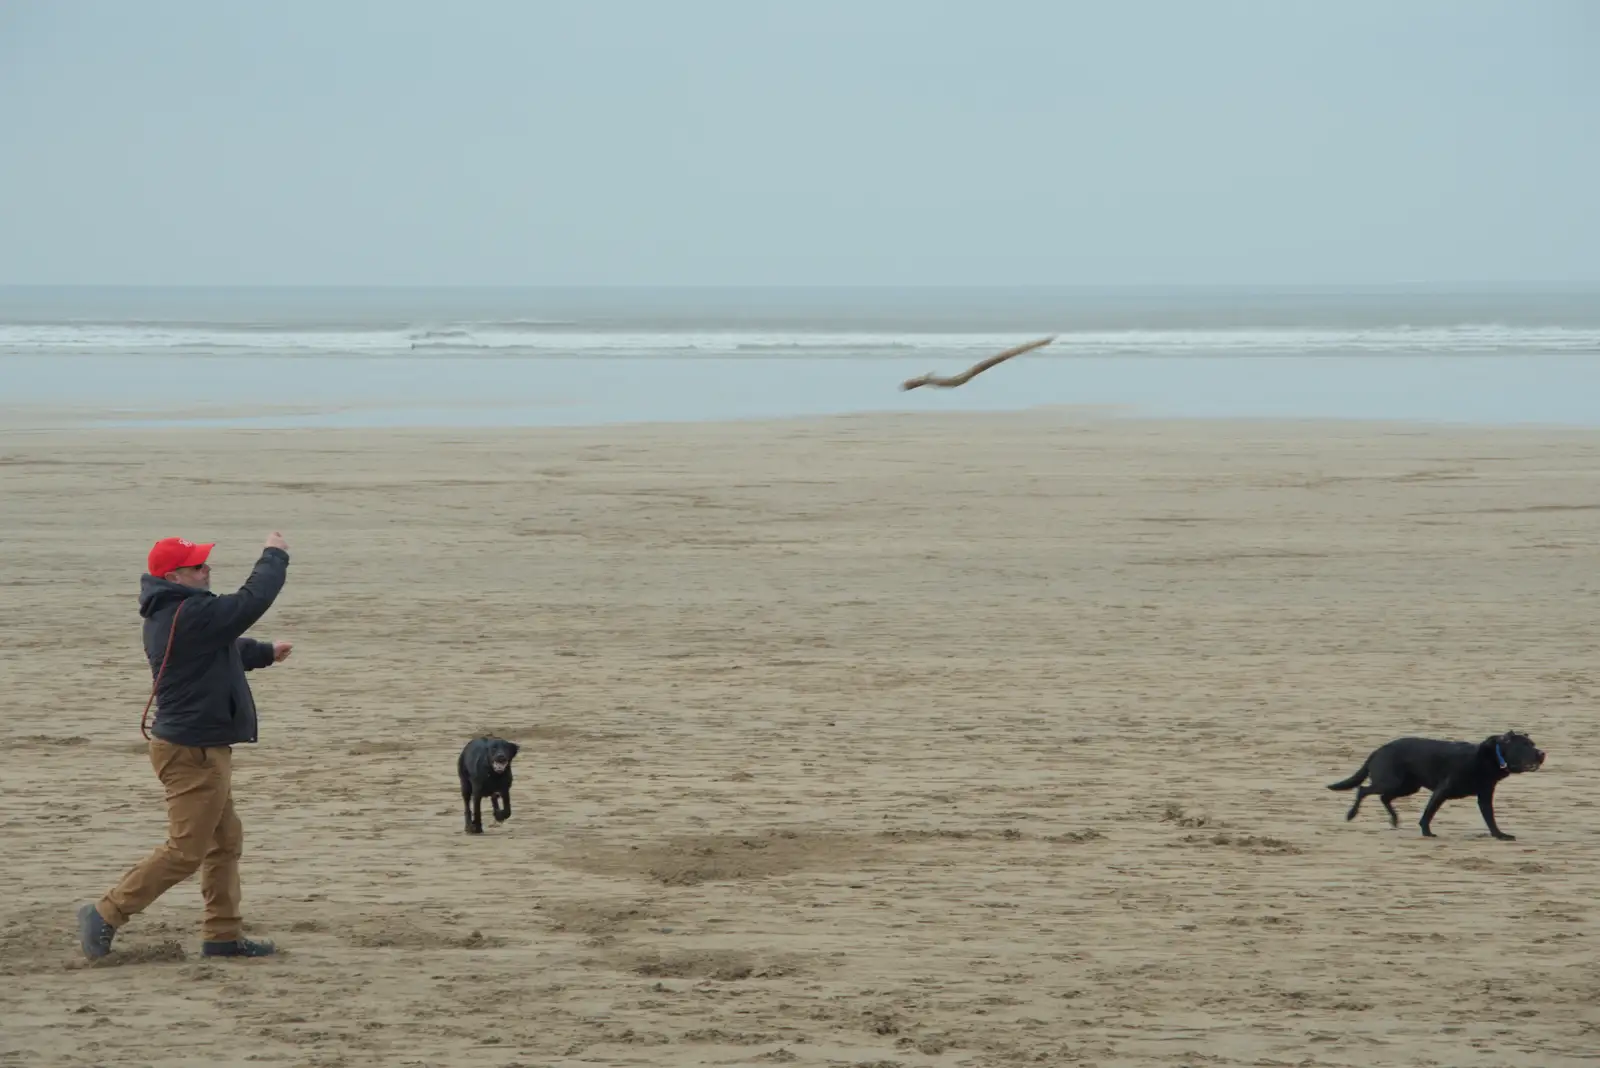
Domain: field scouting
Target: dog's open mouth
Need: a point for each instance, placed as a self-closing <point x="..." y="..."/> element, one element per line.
<point x="499" y="765"/>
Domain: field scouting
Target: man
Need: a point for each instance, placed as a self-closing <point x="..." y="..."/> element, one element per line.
<point x="203" y="708"/>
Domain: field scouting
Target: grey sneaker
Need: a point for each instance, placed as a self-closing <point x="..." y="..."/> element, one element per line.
<point x="239" y="947"/>
<point x="94" y="933"/>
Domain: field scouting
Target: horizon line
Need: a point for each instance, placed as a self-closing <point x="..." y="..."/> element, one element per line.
<point x="834" y="286"/>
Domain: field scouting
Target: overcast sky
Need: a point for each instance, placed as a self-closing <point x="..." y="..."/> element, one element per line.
<point x="799" y="142"/>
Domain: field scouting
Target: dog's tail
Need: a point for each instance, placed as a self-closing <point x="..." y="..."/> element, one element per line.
<point x="1352" y="782"/>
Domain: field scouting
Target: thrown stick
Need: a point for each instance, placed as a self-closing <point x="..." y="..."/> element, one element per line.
<point x="976" y="369"/>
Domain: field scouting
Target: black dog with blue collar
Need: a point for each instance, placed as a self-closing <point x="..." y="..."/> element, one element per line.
<point x="1450" y="769"/>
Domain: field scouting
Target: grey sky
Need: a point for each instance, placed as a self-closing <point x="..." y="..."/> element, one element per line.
<point x="808" y="141"/>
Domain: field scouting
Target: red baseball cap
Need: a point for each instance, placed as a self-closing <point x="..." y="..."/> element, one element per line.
<point x="169" y="554"/>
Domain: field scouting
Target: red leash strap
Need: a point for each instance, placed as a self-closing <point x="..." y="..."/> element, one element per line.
<point x="143" y="716"/>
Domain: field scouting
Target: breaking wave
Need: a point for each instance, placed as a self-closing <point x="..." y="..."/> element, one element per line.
<point x="532" y="339"/>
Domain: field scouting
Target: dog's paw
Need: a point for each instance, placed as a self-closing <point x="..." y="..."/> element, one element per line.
<point x="473" y="828"/>
<point x="1504" y="837"/>
<point x="501" y="817"/>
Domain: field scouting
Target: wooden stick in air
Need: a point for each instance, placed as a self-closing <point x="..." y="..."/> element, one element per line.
<point x="976" y="369"/>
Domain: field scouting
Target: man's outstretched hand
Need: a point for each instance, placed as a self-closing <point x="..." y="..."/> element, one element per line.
<point x="281" y="651"/>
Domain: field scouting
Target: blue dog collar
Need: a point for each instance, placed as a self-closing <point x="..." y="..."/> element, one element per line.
<point x="1497" y="755"/>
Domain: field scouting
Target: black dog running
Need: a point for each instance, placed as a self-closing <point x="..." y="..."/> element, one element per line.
<point x="1450" y="769"/>
<point x="485" y="770"/>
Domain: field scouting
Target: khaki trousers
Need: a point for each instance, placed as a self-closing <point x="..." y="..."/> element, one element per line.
<point x="203" y="834"/>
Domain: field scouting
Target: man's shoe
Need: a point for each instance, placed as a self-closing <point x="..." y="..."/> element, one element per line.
<point x="239" y="947"/>
<point x="94" y="933"/>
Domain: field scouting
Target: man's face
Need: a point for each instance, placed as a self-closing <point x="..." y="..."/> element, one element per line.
<point x="197" y="577"/>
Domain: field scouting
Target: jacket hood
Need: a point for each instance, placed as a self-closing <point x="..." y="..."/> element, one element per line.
<point x="157" y="593"/>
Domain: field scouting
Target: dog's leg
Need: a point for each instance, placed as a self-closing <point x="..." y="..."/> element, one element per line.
<point x="1394" y="817"/>
<point x="1486" y="806"/>
<point x="501" y="814"/>
<point x="1355" y="806"/>
<point x="1436" y="799"/>
<point x="475" y="826"/>
<point x="466" y="800"/>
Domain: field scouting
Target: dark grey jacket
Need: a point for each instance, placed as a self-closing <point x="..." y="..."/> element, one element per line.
<point x="203" y="698"/>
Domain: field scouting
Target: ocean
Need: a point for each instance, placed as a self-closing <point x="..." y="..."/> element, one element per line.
<point x="286" y="357"/>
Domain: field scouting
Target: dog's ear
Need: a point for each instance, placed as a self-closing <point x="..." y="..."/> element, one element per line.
<point x="514" y="747"/>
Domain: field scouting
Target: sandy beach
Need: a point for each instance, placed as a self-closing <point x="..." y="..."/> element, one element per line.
<point x="991" y="739"/>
